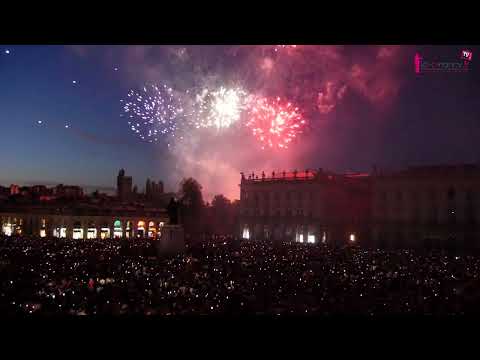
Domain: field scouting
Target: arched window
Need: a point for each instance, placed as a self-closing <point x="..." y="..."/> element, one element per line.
<point x="91" y="231"/>
<point x="152" y="230"/>
<point x="105" y="231"/>
<point x="117" y="229"/>
<point x="77" y="230"/>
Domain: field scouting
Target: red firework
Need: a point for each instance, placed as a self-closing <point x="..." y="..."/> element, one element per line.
<point x="274" y="123"/>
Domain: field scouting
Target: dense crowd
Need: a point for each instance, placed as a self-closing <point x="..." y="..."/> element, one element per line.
<point x="225" y="276"/>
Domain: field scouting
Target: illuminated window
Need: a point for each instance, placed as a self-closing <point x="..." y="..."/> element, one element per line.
<point x="300" y="238"/>
<point x="324" y="237"/>
<point x="311" y="239"/>
<point x="352" y="237"/>
<point x="246" y="233"/>
<point x="43" y="233"/>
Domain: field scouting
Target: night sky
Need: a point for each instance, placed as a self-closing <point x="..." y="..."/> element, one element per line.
<point x="363" y="105"/>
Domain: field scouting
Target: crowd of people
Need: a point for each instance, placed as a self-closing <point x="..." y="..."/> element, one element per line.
<point x="53" y="276"/>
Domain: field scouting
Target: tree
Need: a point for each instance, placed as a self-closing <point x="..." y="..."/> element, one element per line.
<point x="224" y="215"/>
<point x="191" y="205"/>
<point x="220" y="202"/>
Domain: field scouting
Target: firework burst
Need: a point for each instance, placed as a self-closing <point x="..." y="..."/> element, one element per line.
<point x="218" y="109"/>
<point x="153" y="112"/>
<point x="275" y="123"/>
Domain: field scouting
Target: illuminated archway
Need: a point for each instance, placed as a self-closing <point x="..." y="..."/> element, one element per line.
<point x="7" y="227"/>
<point x="141" y="229"/>
<point x="60" y="232"/>
<point x="299" y="235"/>
<point x="91" y="231"/>
<point x="246" y="232"/>
<point x="117" y="229"/>
<point x="43" y="228"/>
<point x="311" y="237"/>
<point x="105" y="231"/>
<point x="77" y="231"/>
<point x="128" y="229"/>
<point x="17" y="227"/>
<point x="160" y="226"/>
<point x="352" y="237"/>
<point x="152" y="230"/>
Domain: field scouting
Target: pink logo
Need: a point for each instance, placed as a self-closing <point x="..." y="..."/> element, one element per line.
<point x="417" y="61"/>
<point x="466" y="55"/>
<point x="424" y="66"/>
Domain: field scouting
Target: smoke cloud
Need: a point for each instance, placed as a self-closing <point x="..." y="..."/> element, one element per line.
<point x="326" y="82"/>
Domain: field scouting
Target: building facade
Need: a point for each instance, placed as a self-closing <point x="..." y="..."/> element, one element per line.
<point x="83" y="223"/>
<point x="124" y="186"/>
<point x="430" y="206"/>
<point x="308" y="207"/>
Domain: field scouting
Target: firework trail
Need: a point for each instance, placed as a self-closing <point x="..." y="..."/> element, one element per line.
<point x="275" y="123"/>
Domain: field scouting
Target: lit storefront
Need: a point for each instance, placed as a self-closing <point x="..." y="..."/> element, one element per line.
<point x="66" y="223"/>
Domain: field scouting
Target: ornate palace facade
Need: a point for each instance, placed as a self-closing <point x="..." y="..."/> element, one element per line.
<point x="430" y="206"/>
<point x="307" y="207"/>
